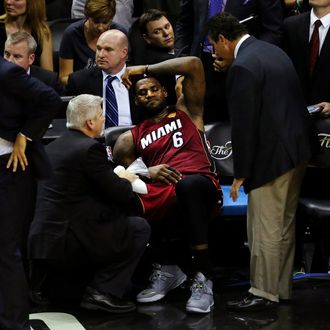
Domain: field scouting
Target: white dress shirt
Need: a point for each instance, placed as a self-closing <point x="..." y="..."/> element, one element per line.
<point x="122" y="97"/>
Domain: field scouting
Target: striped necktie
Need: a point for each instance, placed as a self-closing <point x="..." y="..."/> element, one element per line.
<point x="111" y="106"/>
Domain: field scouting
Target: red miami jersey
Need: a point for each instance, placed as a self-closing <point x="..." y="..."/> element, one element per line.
<point x="175" y="141"/>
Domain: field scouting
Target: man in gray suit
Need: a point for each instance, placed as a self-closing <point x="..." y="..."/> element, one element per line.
<point x="270" y="149"/>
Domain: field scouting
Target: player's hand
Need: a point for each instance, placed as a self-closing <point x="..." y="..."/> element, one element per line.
<point x="18" y="154"/>
<point x="165" y="173"/>
<point x="130" y="72"/>
<point x="234" y="190"/>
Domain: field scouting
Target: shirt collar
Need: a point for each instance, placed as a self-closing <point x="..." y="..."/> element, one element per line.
<point x="325" y="20"/>
<point x="118" y="74"/>
<point x="238" y="45"/>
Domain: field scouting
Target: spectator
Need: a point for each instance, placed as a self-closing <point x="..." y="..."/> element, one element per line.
<point x="171" y="143"/>
<point x="155" y="44"/>
<point x="298" y="31"/>
<point x="264" y="20"/>
<point x="78" y="45"/>
<point x="20" y="161"/>
<point x="29" y="16"/>
<point x="20" y="49"/>
<point x="271" y="149"/>
<point x="124" y="12"/>
<point x="111" y="56"/>
<point x="81" y="215"/>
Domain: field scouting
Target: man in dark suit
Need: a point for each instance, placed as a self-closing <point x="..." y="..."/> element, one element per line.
<point x="82" y="211"/>
<point x="111" y="56"/>
<point x="297" y="35"/>
<point x="270" y="151"/>
<point x="20" y="128"/>
<point x="263" y="18"/>
<point x="20" y="49"/>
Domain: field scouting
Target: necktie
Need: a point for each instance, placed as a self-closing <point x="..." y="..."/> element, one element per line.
<point x="111" y="106"/>
<point x="314" y="46"/>
<point x="215" y="7"/>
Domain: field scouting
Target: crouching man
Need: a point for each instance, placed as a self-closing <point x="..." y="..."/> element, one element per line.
<point x="81" y="212"/>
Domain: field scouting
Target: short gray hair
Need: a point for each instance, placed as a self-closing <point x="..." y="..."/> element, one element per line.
<point x="82" y="108"/>
<point x="20" y="36"/>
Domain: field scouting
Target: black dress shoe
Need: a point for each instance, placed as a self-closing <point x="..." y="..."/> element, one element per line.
<point x="250" y="303"/>
<point x="95" y="300"/>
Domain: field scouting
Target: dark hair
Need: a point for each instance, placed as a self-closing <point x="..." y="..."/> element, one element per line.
<point x="150" y="15"/>
<point x="225" y="24"/>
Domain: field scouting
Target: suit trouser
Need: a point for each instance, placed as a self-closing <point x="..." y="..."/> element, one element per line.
<point x="115" y="278"/>
<point x="14" y="197"/>
<point x="271" y="234"/>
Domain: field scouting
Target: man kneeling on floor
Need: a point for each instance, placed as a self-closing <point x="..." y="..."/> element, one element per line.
<point x="81" y="212"/>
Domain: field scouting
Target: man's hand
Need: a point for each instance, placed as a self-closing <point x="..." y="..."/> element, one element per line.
<point x="165" y="173"/>
<point x="132" y="71"/>
<point x="124" y="174"/>
<point x="325" y="112"/>
<point x="219" y="64"/>
<point x="235" y="188"/>
<point x="18" y="153"/>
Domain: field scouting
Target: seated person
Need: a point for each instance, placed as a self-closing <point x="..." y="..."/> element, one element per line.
<point x="184" y="189"/>
<point x="155" y="44"/>
<point x="29" y="16"/>
<point x="20" y="48"/>
<point x="111" y="56"/>
<point x="78" y="45"/>
<point x="81" y="213"/>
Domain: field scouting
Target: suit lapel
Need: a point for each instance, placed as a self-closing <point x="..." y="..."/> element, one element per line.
<point x="96" y="81"/>
<point x="323" y="59"/>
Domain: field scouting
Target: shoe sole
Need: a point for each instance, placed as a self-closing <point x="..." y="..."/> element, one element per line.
<point x="93" y="307"/>
<point x="159" y="296"/>
<point x="198" y="310"/>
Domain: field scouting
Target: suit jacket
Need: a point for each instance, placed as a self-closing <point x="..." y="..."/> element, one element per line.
<point x="17" y="89"/>
<point x="268" y="114"/>
<point x="90" y="81"/>
<point x="83" y="196"/>
<point x="190" y="35"/>
<point x="316" y="88"/>
<point x="27" y="106"/>
<point x="50" y="78"/>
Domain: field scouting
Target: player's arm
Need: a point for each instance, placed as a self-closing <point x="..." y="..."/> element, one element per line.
<point x="193" y="85"/>
<point x="124" y="150"/>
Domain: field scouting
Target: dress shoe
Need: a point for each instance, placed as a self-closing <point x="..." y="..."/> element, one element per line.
<point x="250" y="303"/>
<point x="95" y="300"/>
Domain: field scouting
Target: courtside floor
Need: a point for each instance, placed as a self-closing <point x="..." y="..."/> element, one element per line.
<point x="308" y="310"/>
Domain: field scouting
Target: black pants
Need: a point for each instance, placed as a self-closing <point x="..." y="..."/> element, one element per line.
<point x="109" y="278"/>
<point x="15" y="193"/>
<point x="197" y="197"/>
